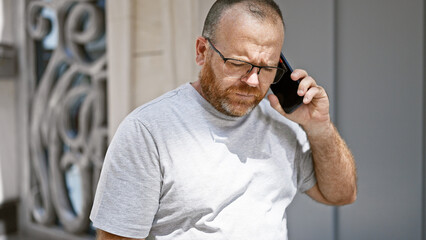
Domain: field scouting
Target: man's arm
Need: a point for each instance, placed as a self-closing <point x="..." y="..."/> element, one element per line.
<point x="333" y="162"/>
<point x="334" y="169"/>
<point x="102" y="235"/>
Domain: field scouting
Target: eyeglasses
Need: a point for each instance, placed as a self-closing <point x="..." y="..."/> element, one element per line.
<point x="235" y="68"/>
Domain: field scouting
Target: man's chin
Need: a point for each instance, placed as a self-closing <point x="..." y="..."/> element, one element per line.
<point x="237" y="110"/>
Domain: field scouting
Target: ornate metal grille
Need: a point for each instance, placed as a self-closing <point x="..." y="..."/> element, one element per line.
<point x="67" y="113"/>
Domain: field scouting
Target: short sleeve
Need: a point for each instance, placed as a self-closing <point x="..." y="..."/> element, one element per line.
<point x="128" y="191"/>
<point x="305" y="170"/>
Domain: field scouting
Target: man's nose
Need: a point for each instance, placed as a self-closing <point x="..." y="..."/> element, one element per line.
<point x="252" y="78"/>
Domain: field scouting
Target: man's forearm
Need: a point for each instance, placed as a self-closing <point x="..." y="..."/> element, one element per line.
<point x="334" y="166"/>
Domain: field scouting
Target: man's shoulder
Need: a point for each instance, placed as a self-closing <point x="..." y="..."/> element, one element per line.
<point x="160" y="106"/>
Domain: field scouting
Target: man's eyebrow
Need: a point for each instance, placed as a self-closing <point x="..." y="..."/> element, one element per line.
<point x="262" y="63"/>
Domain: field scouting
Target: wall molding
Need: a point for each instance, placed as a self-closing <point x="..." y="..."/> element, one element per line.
<point x="424" y="125"/>
<point x="120" y="23"/>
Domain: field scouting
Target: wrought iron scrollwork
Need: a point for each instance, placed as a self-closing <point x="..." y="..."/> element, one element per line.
<point x="68" y="123"/>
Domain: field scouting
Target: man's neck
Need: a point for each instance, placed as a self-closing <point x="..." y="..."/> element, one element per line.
<point x="197" y="87"/>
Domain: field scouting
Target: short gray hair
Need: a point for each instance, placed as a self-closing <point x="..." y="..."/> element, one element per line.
<point x="260" y="9"/>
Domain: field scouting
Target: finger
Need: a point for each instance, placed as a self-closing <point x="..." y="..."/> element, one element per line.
<point x="275" y="104"/>
<point x="311" y="94"/>
<point x="305" y="84"/>
<point x="298" y="74"/>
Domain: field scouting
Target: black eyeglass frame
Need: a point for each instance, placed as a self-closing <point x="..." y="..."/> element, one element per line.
<point x="276" y="79"/>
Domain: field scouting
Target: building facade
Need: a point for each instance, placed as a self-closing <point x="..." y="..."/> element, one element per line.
<point x="71" y="70"/>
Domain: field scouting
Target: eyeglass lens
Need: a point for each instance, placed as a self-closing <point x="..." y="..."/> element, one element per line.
<point x="237" y="69"/>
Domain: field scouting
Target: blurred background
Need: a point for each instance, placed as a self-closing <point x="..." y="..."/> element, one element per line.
<point x="71" y="70"/>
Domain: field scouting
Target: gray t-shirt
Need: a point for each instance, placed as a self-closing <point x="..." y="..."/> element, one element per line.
<point x="179" y="169"/>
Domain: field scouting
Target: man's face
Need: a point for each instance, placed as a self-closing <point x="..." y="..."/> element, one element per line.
<point x="233" y="98"/>
<point x="242" y="37"/>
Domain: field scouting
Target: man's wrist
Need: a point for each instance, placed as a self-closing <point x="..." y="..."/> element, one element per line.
<point x="319" y="130"/>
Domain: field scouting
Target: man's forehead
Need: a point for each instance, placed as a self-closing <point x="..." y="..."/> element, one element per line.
<point x="236" y="21"/>
<point x="235" y="29"/>
<point x="241" y="10"/>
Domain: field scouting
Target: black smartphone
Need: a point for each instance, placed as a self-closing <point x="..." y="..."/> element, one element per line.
<point x="286" y="89"/>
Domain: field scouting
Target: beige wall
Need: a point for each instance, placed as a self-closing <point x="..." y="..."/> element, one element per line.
<point x="6" y="29"/>
<point x="9" y="184"/>
<point x="9" y="188"/>
<point x="151" y="50"/>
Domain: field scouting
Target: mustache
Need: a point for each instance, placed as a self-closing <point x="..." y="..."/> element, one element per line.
<point x="244" y="89"/>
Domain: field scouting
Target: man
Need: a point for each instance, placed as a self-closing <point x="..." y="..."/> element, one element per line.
<point x="216" y="159"/>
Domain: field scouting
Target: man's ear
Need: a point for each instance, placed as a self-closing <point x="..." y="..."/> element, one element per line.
<point x="201" y="51"/>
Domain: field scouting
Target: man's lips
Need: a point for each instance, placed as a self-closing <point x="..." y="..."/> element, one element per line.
<point x="245" y="95"/>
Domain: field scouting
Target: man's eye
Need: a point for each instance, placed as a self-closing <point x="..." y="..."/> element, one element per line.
<point x="236" y="64"/>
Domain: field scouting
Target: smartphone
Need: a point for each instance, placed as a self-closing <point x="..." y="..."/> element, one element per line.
<point x="286" y="89"/>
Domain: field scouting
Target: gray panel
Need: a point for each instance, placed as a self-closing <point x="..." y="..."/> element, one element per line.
<point x="309" y="45"/>
<point x="424" y="124"/>
<point x="380" y="74"/>
<point x="309" y="39"/>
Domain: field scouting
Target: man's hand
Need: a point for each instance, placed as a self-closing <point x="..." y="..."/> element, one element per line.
<point x="334" y="164"/>
<point x="313" y="115"/>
